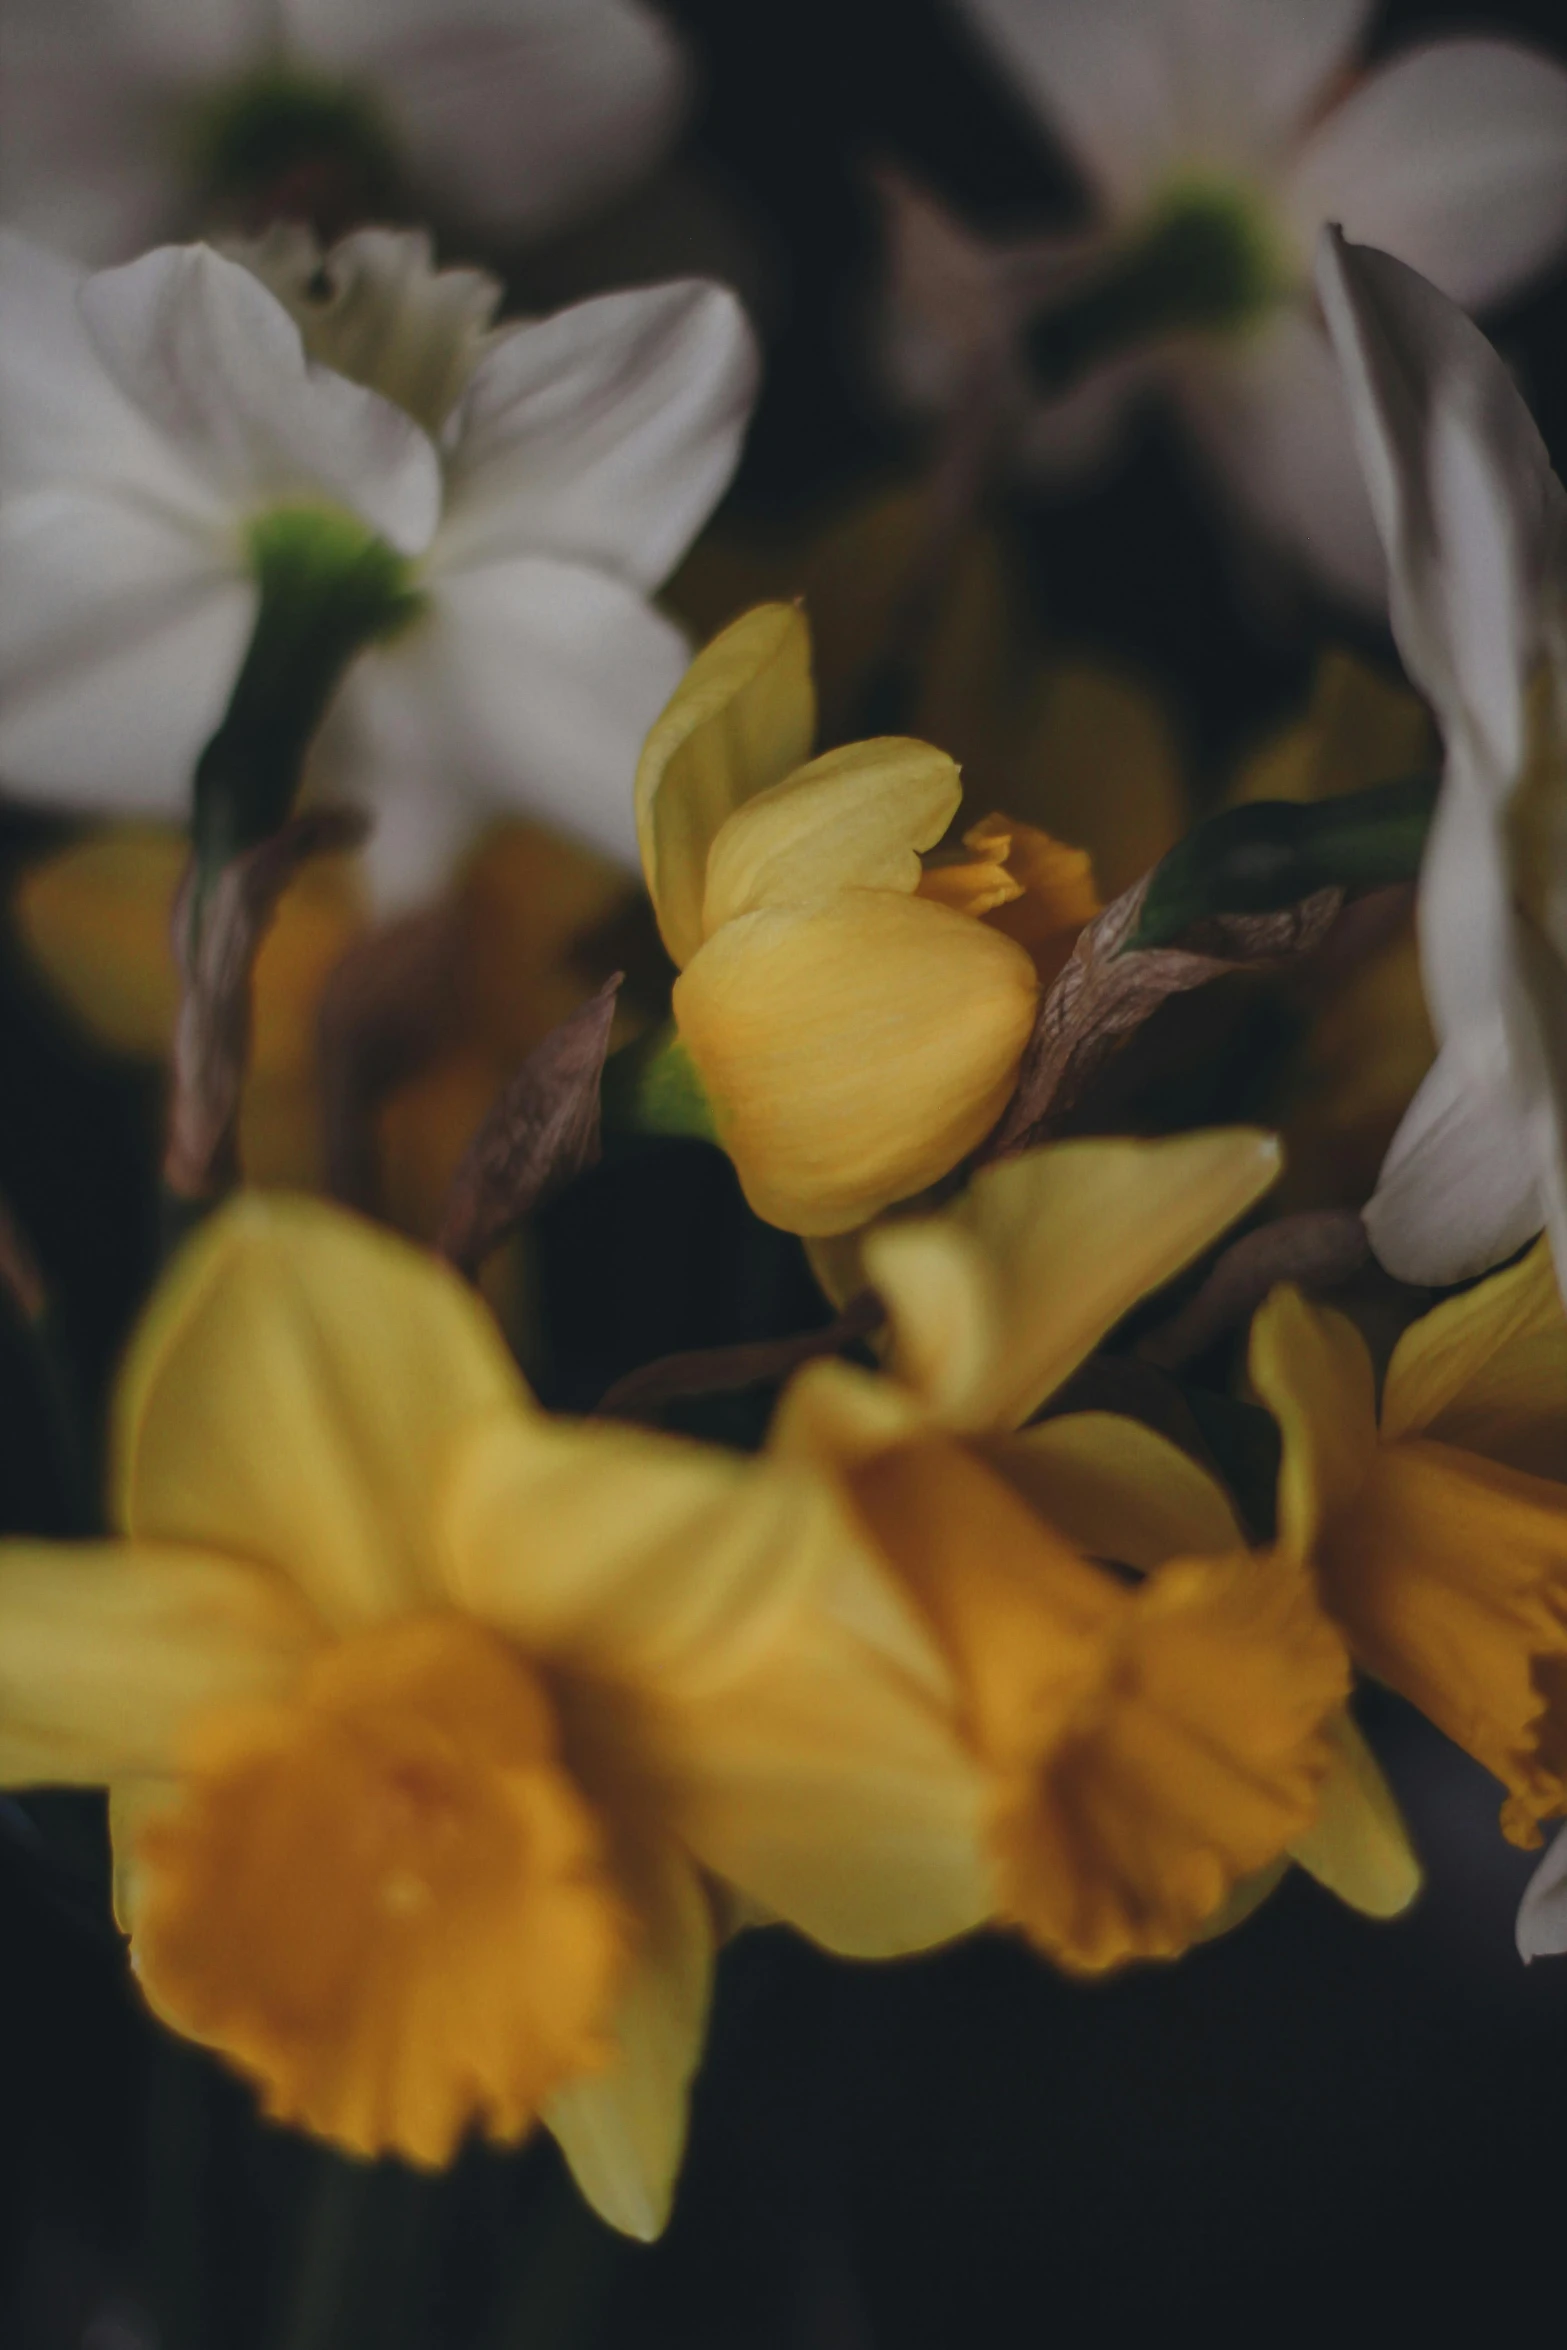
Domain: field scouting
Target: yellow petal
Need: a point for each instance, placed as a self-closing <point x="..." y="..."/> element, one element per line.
<point x="978" y="883"/>
<point x="942" y="1350"/>
<point x="1359" y="729"/>
<point x="1071" y="1236"/>
<point x="1311" y="1369"/>
<point x="743" y="716"/>
<point x="107" y="1649"/>
<point x="855" y="818"/>
<point x="1358" y="1845"/>
<point x="830" y="1785"/>
<point x="648" y="1558"/>
<point x="1448" y="1574"/>
<point x="293" y="1395"/>
<point x="835" y="1412"/>
<point x="1487" y="1370"/>
<point x="623" y="2130"/>
<point x="1116" y="1489"/>
<point x="854" y="1051"/>
<point x="96" y="920"/>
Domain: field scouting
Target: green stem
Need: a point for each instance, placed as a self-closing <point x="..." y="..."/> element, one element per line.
<point x="329" y="586"/>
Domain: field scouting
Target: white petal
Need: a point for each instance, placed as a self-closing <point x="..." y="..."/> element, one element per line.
<point x="211" y="357"/>
<point x="121" y="635"/>
<point x="1458" y="1189"/>
<point x="519" y="113"/>
<point x="526" y="688"/>
<point x="1270" y="413"/>
<point x="605" y="434"/>
<point x="63" y="416"/>
<point x="1454" y="158"/>
<point x="623" y="2131"/>
<point x="1542" y="1913"/>
<point x="89" y="158"/>
<point x="1141" y="88"/>
<point x="1461" y="488"/>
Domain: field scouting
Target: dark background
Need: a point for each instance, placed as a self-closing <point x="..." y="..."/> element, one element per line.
<point x="1315" y="2125"/>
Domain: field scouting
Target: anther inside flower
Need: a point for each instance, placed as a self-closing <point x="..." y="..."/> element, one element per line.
<point x="385" y="1898"/>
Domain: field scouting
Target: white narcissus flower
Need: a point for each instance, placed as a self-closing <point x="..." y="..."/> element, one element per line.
<point x="537" y="481"/>
<point x="1475" y="527"/>
<point x="1235" y="121"/>
<point x="121" y="121"/>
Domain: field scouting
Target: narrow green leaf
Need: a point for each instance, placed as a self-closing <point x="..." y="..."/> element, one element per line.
<point x="1268" y="854"/>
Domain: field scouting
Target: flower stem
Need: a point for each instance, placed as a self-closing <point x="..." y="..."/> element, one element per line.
<point x="329" y="587"/>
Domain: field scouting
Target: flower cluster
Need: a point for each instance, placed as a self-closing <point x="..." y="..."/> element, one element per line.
<point x="456" y="1713"/>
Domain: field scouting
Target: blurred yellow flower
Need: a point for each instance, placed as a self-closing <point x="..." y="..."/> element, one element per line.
<point x="422" y="1714"/>
<point x="97" y="918"/>
<point x="856" y="1034"/>
<point x="1082" y="748"/>
<point x="1439" y="1534"/>
<point x="1158" y="1739"/>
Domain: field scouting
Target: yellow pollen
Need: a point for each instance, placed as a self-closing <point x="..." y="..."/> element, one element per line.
<point x="385" y="1900"/>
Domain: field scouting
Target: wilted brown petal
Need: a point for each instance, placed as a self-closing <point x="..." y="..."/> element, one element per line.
<point x="1321" y="1249"/>
<point x="1105" y="994"/>
<point x="216" y="957"/>
<point x="717" y="1370"/>
<point x="391" y="1005"/>
<point x="543" y="1130"/>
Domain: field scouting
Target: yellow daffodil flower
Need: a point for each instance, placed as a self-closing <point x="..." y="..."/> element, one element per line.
<point x="1438" y="1531"/>
<point x="1157" y="1739"/>
<point x="423" y="1714"/>
<point x="856" y="1017"/>
<point x="97" y="920"/>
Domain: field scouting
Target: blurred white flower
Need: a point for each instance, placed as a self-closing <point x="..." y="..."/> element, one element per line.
<point x="1542" y="1913"/>
<point x="122" y="120"/>
<point x="537" y="482"/>
<point x="1475" y="528"/>
<point x="1231" y="129"/>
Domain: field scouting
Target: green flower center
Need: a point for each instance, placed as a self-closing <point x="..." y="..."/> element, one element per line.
<point x="282" y="140"/>
<point x="1202" y="262"/>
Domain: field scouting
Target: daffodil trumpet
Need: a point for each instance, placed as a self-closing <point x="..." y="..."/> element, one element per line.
<point x="1436" y="1523"/>
<point x="856" y="1010"/>
<point x="429" y="1723"/>
<point x="1159" y="1708"/>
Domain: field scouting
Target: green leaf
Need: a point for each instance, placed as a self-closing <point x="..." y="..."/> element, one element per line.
<point x="1269" y="854"/>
